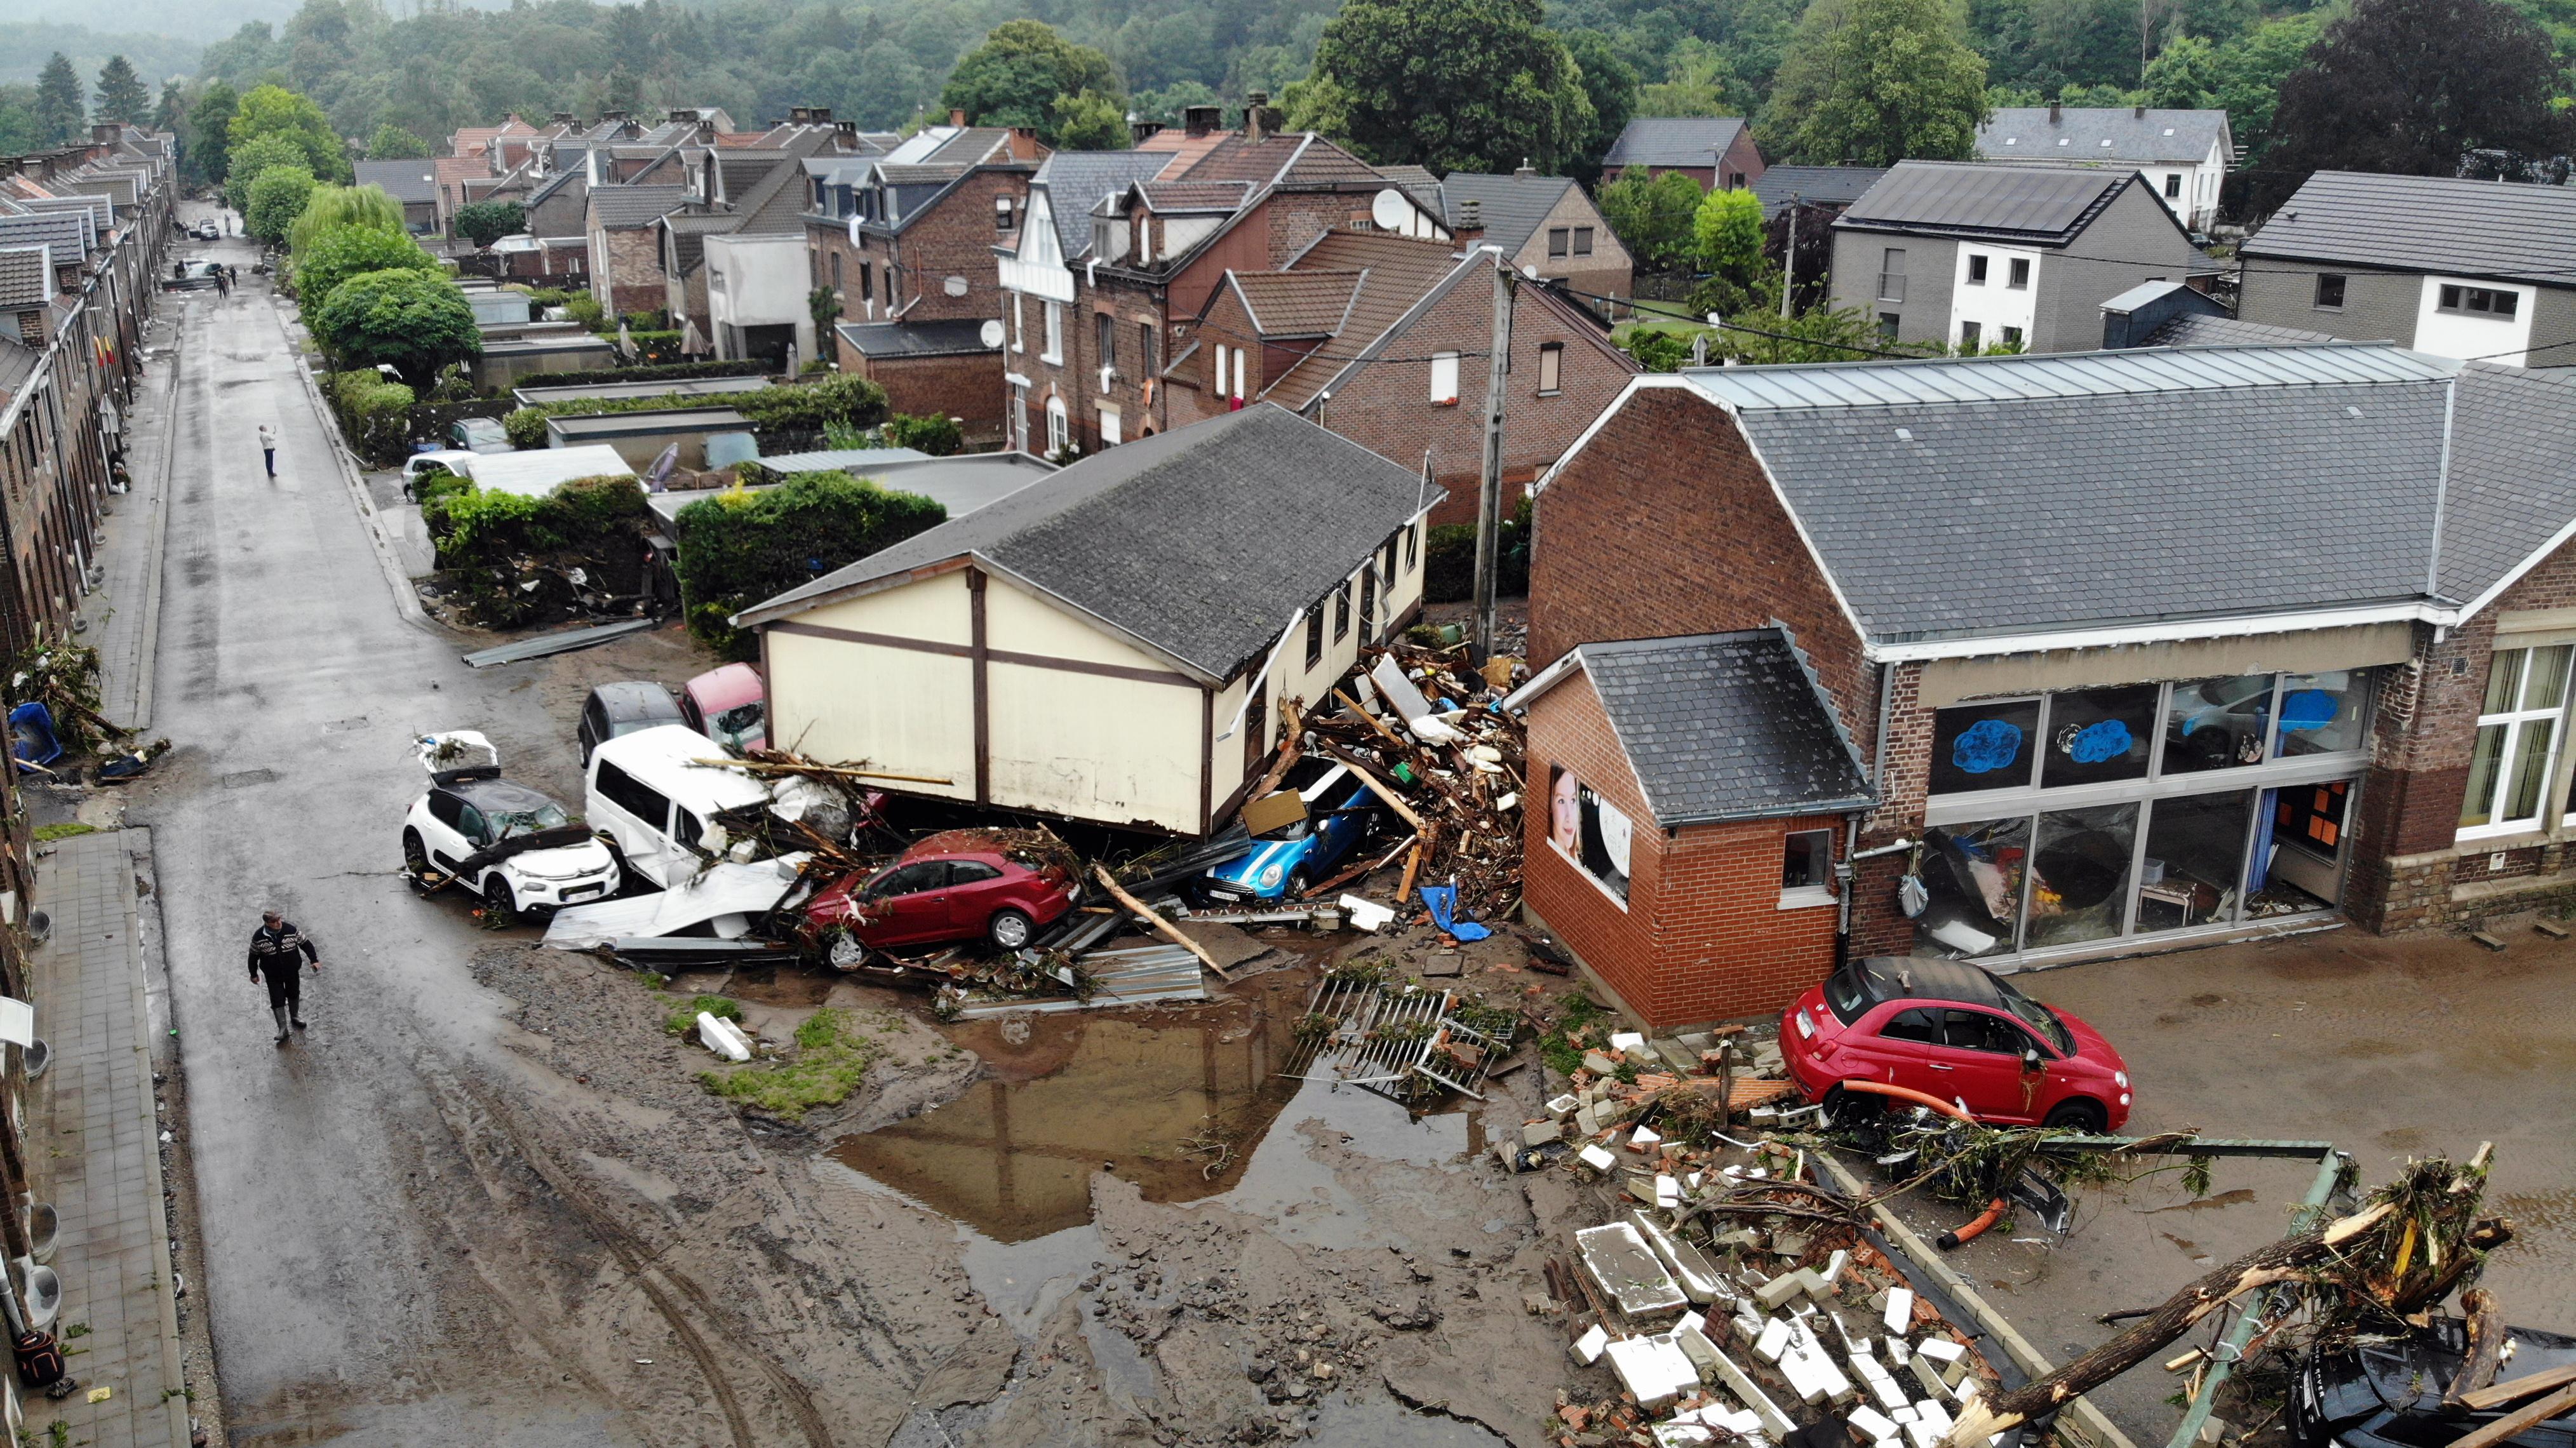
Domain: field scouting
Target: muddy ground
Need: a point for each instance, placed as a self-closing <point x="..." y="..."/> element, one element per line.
<point x="941" y="1259"/>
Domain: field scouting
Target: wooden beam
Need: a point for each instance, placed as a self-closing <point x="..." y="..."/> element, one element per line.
<point x="2528" y="1415"/>
<point x="2516" y="1388"/>
<point x="1393" y="800"/>
<point x="1164" y="927"/>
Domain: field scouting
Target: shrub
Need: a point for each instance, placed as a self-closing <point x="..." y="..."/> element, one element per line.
<point x="375" y="415"/>
<point x="937" y="436"/>
<point x="584" y="308"/>
<point x="738" y="548"/>
<point x="507" y="558"/>
<point x="485" y="222"/>
<point x="341" y="252"/>
<point x="804" y="407"/>
<point x="669" y="372"/>
<point x="1449" y="559"/>
<point x="437" y="482"/>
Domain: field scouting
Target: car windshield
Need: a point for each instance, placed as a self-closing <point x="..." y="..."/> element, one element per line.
<point x="2038" y="1017"/>
<point x="546" y="816"/>
<point x="1848" y="995"/>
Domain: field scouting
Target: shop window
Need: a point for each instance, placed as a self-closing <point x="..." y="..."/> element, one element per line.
<point x="2096" y="736"/>
<point x="2297" y="862"/>
<point x="2217" y="723"/>
<point x="1591" y="831"/>
<point x="2330" y="287"/>
<point x="2079" y="874"/>
<point x="1983" y="746"/>
<point x="2322" y="713"/>
<point x="1972" y="879"/>
<point x="2517" y="739"/>
<point x="2195" y="860"/>
<point x="1807" y="869"/>
<point x="1551" y="369"/>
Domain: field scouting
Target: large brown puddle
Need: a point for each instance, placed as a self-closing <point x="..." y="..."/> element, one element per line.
<point x="1132" y="1090"/>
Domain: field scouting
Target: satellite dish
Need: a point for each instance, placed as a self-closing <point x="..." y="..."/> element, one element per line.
<point x="954" y="286"/>
<point x="854" y="231"/>
<point x="992" y="333"/>
<point x="1390" y="209"/>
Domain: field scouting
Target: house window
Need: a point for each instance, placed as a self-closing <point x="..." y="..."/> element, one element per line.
<point x="1734" y="180"/>
<point x="868" y="285"/>
<point x="2518" y="728"/>
<point x="1807" y="869"/>
<point x="1583" y="241"/>
<point x="1342" y="612"/>
<point x="1059" y="426"/>
<point x="1891" y="275"/>
<point x="1315" y="634"/>
<point x="1589" y="831"/>
<point x="1368" y="605"/>
<point x="836" y="272"/>
<point x="2019" y="276"/>
<point x="1412" y="547"/>
<point x="1559" y="241"/>
<point x="2330" y="291"/>
<point x="1971" y="337"/>
<point x="1444" y="379"/>
<point x="1551" y="369"/>
<point x="1110" y="435"/>
<point x="1005" y="213"/>
<point x="2479" y="302"/>
<point x="1386" y="562"/>
<point x="1144" y="349"/>
<point x="1887" y="326"/>
<point x="2012" y="339"/>
<point x="1054" y="353"/>
<point x="1019" y="322"/>
<point x="2173" y="185"/>
<point x="1977" y="269"/>
<point x="1104" y="338"/>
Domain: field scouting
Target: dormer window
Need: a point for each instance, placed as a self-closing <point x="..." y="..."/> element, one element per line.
<point x="1005" y="213"/>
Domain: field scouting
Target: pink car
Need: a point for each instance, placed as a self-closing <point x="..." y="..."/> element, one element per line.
<point x="729" y="706"/>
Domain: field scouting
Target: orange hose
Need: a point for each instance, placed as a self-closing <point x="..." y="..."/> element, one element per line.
<point x="1907" y="1093"/>
<point x="1993" y="1213"/>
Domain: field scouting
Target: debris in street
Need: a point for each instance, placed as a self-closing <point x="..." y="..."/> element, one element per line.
<point x="1405" y="1042"/>
<point x="546" y="646"/>
<point x="723" y="1037"/>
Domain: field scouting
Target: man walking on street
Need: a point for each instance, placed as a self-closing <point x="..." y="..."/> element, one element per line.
<point x="268" y="447"/>
<point x="273" y="948"/>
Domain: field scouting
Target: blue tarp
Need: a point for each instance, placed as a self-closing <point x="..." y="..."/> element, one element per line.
<point x="1442" y="902"/>
<point x="31" y="726"/>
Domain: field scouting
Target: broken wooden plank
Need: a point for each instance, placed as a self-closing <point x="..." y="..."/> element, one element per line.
<point x="1163" y="927"/>
<point x="2526" y="1416"/>
<point x="1393" y="801"/>
<point x="2515" y="1389"/>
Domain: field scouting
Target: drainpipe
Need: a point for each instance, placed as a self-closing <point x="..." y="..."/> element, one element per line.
<point x="1852" y="853"/>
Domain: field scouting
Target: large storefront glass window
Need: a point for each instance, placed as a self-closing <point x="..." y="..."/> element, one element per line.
<point x="2517" y="740"/>
<point x="2217" y="723"/>
<point x="2099" y="735"/>
<point x="2079" y="887"/>
<point x="2321" y="713"/>
<point x="1983" y="746"/>
<point x="2298" y="849"/>
<point x="2195" y="862"/>
<point x="1972" y="874"/>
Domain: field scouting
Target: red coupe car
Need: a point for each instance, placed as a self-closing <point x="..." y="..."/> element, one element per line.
<point x="956" y="885"/>
<point x="1957" y="1032"/>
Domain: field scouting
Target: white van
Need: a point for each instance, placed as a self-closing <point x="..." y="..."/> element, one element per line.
<point x="648" y="794"/>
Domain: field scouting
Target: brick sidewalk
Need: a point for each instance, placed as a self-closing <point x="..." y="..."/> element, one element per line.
<point x="121" y="612"/>
<point x="101" y="1168"/>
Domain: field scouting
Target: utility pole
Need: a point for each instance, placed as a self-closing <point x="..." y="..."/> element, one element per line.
<point x="1789" y="262"/>
<point x="1489" y="487"/>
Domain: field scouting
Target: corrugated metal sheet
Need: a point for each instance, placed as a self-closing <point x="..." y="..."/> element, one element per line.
<point x="1142" y="975"/>
<point x="2063" y="374"/>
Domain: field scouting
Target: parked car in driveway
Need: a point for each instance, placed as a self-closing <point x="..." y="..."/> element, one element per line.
<point x="955" y="885"/>
<point x="479" y="434"/>
<point x="509" y="844"/>
<point x="1284" y="863"/>
<point x="629" y="706"/>
<point x="1956" y="1031"/>
<point x="447" y="459"/>
<point x="2387" y="1393"/>
<point x="729" y="706"/>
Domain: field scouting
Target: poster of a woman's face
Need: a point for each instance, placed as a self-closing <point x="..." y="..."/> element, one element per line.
<point x="1565" y="816"/>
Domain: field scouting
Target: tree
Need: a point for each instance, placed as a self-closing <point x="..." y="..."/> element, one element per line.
<point x="274" y="200"/>
<point x="60" y="117"/>
<point x="1727" y="237"/>
<point x="485" y="222"/>
<point x="2251" y="70"/>
<point x="210" y="131"/>
<point x="1021" y="72"/>
<point x="1091" y="122"/>
<point x="409" y="320"/>
<point x="1874" y="82"/>
<point x="255" y="159"/>
<point x="275" y="111"/>
<point x="393" y="143"/>
<point x="342" y="252"/>
<point x="1455" y="85"/>
<point x="1611" y="86"/>
<point x="2186" y="77"/>
<point x="2415" y="87"/>
<point x="170" y="117"/>
<point x="333" y="207"/>
<point x="122" y="96"/>
<point x="1653" y="216"/>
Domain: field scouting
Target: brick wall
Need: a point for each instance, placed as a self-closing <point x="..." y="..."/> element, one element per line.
<point x="1568" y="730"/>
<point x="632" y="280"/>
<point x="966" y="387"/>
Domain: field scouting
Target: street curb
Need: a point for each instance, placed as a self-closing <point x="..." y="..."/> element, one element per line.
<point x="174" y="1378"/>
<point x="406" y="599"/>
<point x="147" y="648"/>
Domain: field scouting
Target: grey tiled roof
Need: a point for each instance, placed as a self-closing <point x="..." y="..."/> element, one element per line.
<point x="1075" y="181"/>
<point x="2198" y="331"/>
<point x="2427" y="223"/>
<point x="26" y="276"/>
<point x="2102" y="133"/>
<point x="68" y="232"/>
<point x="1814" y="185"/>
<point x="2044" y="204"/>
<point x="2513" y="473"/>
<point x="406" y="181"/>
<point x="1725" y="727"/>
<point x="1512" y="206"/>
<point x="1672" y="141"/>
<point x="625" y="207"/>
<point x="1200" y="542"/>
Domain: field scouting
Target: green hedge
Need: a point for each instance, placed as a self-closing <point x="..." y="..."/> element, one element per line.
<point x="740" y="547"/>
<point x="670" y="372"/>
<point x="1449" y="559"/>
<point x="937" y="436"/>
<point x="492" y="545"/>
<point x="375" y="415"/>
<point x="801" y="407"/>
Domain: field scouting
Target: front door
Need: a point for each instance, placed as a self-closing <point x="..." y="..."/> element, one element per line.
<point x="910" y="905"/>
<point x="1980" y="1062"/>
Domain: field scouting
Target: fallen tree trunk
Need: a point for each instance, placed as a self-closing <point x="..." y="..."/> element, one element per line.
<point x="2484" y="1323"/>
<point x="2266" y="1266"/>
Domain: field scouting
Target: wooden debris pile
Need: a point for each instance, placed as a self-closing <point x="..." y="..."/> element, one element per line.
<point x="64" y="677"/>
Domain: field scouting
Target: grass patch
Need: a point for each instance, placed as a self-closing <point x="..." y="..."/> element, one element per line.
<point x="63" y="831"/>
<point x="683" y="1017"/>
<point x="1563" y="1043"/>
<point x="831" y="1059"/>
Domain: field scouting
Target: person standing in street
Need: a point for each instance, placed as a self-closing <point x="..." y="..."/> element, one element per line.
<point x="273" y="949"/>
<point x="268" y="447"/>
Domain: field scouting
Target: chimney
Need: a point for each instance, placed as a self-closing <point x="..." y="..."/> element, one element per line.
<point x="845" y="135"/>
<point x="1471" y="220"/>
<point x="706" y="132"/>
<point x="2056" y="112"/>
<point x="1201" y="120"/>
<point x="682" y="117"/>
<point x="1254" y="103"/>
<point x="957" y="117"/>
<point x="1524" y="168"/>
<point x="2138" y="112"/>
<point x="1139" y="132"/>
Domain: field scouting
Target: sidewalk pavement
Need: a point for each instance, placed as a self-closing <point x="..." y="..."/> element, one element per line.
<point x="124" y="611"/>
<point x="94" y="1111"/>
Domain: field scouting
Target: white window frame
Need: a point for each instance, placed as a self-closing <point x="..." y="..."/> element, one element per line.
<point x="1444" y="379"/>
<point x="1808" y="896"/>
<point x="1053" y="356"/>
<point x="1111" y="432"/>
<point x="1551" y="369"/>
<point x="1019" y="322"/>
<point x="1059" y="426"/>
<point x="2515" y="722"/>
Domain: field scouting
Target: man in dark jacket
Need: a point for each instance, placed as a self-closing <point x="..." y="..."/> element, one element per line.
<point x="273" y="948"/>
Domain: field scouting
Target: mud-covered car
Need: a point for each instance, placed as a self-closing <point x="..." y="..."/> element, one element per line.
<point x="956" y="885"/>
<point x="2388" y="1393"/>
<point x="513" y="846"/>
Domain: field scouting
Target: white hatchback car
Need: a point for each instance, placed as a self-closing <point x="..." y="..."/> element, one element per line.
<point x="507" y="843"/>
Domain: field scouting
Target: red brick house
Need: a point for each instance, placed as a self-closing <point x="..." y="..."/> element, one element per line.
<point x="1382" y="338"/>
<point x="1688" y="798"/>
<point x="1714" y="151"/>
<point x="2139" y="649"/>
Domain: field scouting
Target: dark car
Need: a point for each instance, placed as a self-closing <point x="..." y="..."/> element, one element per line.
<point x="623" y="708"/>
<point x="955" y="885"/>
<point x="2389" y="1394"/>
<point x="192" y="275"/>
<point x="1958" y="1032"/>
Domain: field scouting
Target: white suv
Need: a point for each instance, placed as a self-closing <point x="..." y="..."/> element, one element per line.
<point x="507" y="843"/>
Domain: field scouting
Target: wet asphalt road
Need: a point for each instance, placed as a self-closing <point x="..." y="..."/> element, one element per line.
<point x="343" y="1309"/>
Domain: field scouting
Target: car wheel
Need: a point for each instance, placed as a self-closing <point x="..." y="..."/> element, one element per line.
<point x="1298" y="884"/>
<point x="2079" y="1114"/>
<point x="1009" y="929"/>
<point x="415" y="855"/>
<point x="501" y="900"/>
<point x="1851" y="1108"/>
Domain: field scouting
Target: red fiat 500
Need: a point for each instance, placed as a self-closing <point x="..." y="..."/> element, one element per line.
<point x="1958" y="1032"/>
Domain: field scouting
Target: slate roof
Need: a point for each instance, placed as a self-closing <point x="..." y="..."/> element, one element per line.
<point x="1169" y="196"/>
<point x="2428" y="224"/>
<point x="2202" y="331"/>
<point x="1396" y="275"/>
<point x="960" y="338"/>
<point x="1725" y="727"/>
<point x="1076" y="180"/>
<point x="2046" y="205"/>
<point x="1512" y="207"/>
<point x="17" y="364"/>
<point x="26" y="276"/>
<point x="1813" y="185"/>
<point x="1298" y="303"/>
<point x="1199" y="542"/>
<point x="2012" y="495"/>
<point x="67" y="232"/>
<point x="622" y="208"/>
<point x="2103" y="133"/>
<point x="1278" y="159"/>
<point x="1672" y="141"/>
<point x="405" y="181"/>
